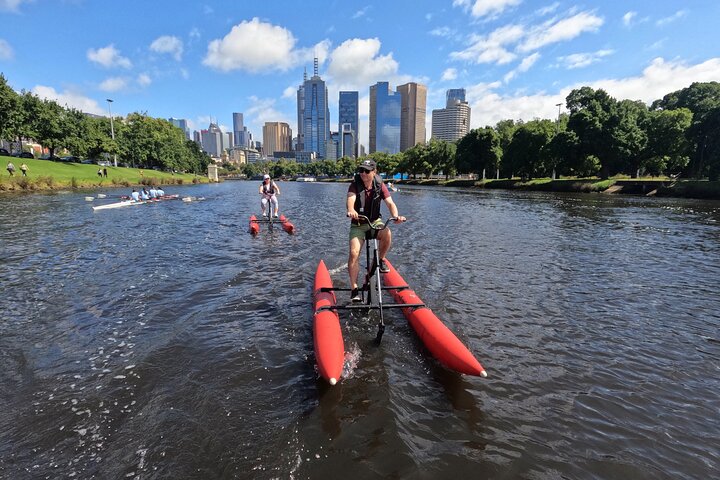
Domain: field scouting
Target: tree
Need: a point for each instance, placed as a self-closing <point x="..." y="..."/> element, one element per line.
<point x="629" y="139"/>
<point x="9" y="110"/>
<point x="478" y="150"/>
<point x="50" y="126"/>
<point x="701" y="99"/>
<point x="524" y="154"/>
<point x="668" y="150"/>
<point x="590" y="111"/>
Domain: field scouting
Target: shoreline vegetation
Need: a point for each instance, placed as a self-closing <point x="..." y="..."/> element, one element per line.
<point x="50" y="175"/>
<point x="53" y="175"/>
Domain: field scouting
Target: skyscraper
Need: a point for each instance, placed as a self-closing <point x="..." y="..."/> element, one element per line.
<point x="456" y="94"/>
<point x="412" y="117"/>
<point x="348" y="115"/>
<point x="384" y="121"/>
<point x="181" y="123"/>
<point x="452" y="122"/>
<point x="316" y="115"/>
<point x="212" y="141"/>
<point x="277" y="137"/>
<point x="300" y="143"/>
<point x="237" y="126"/>
<point x="347" y="141"/>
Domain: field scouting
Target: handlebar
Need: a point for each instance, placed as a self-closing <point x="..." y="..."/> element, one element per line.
<point x="383" y="226"/>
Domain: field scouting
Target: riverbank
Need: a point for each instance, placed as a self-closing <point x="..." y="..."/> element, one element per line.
<point x="48" y="175"/>
<point x="660" y="187"/>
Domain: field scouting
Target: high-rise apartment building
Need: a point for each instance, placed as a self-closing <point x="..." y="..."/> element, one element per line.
<point x="348" y="108"/>
<point x="412" y="115"/>
<point x="384" y="120"/>
<point x="277" y="137"/>
<point x="452" y="122"/>
<point x="316" y="115"/>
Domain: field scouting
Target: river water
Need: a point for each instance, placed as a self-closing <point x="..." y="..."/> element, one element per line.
<point x="163" y="341"/>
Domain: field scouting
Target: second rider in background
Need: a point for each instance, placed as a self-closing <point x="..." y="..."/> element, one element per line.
<point x="364" y="198"/>
<point x="269" y="191"/>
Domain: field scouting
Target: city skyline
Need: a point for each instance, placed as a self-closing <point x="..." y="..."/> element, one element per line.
<point x="515" y="59"/>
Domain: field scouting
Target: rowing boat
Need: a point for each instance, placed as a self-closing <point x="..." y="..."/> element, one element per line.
<point x="439" y="340"/>
<point x="128" y="203"/>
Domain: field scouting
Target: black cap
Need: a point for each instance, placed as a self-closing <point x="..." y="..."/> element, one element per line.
<point x="368" y="164"/>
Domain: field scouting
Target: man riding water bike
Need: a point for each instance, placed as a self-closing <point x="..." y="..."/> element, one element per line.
<point x="364" y="198"/>
<point x="269" y="191"/>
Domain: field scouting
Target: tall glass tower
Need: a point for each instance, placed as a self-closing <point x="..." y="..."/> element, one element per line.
<point x="385" y="113"/>
<point x="348" y="115"/>
<point x="316" y="115"/>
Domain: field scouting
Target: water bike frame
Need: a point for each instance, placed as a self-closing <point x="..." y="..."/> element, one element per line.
<point x="372" y="297"/>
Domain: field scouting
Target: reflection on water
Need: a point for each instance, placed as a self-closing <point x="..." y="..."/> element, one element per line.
<point x="164" y="341"/>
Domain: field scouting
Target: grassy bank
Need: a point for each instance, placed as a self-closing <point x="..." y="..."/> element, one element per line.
<point x="47" y="175"/>
<point x="621" y="185"/>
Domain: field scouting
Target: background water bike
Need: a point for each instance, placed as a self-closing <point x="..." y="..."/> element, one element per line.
<point x="271" y="220"/>
<point x="327" y="333"/>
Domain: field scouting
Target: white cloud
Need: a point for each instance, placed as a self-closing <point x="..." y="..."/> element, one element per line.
<point x="6" y="51"/>
<point x="524" y="66"/>
<point x="482" y="8"/>
<point x="108" y="57"/>
<point x="357" y="63"/>
<point x="253" y="46"/>
<point x="580" y="60"/>
<point x="548" y="9"/>
<point x="492" y="48"/>
<point x="290" y="92"/>
<point x="113" y="84"/>
<point x="144" y="80"/>
<point x="70" y="99"/>
<point x="628" y="18"/>
<point x="562" y="30"/>
<point x="361" y="13"/>
<point x="442" y="32"/>
<point x="676" y="16"/>
<point x="12" y="5"/>
<point x="658" y="79"/>
<point x="449" y="74"/>
<point x="168" y="44"/>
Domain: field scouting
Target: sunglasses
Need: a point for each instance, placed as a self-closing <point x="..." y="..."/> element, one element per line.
<point x="363" y="170"/>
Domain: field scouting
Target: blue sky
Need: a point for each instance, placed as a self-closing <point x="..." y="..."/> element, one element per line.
<point x="516" y="58"/>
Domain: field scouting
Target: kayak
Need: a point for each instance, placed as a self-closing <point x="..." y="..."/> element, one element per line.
<point x="327" y="335"/>
<point x="439" y="340"/>
<point x="128" y="203"/>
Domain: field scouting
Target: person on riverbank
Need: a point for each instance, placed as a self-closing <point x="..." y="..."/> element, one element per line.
<point x="364" y="197"/>
<point x="24" y="169"/>
<point x="104" y="172"/>
<point x="11" y="169"/>
<point x="269" y="191"/>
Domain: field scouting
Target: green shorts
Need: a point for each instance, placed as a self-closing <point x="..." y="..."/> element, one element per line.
<point x="359" y="231"/>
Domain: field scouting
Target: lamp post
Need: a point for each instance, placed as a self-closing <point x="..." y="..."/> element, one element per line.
<point x="112" y="131"/>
